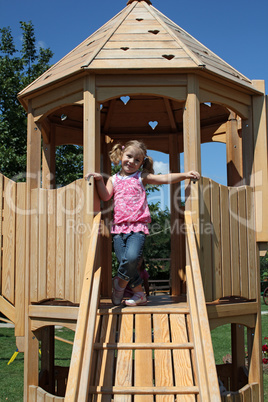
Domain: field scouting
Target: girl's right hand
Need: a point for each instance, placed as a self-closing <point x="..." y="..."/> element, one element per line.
<point x="97" y="176"/>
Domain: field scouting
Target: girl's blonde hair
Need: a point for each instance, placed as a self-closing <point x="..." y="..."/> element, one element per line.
<point x="118" y="149"/>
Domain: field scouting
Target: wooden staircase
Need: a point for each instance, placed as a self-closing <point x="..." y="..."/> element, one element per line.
<point x="144" y="352"/>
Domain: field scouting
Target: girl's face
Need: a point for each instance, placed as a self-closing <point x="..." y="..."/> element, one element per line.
<point x="132" y="160"/>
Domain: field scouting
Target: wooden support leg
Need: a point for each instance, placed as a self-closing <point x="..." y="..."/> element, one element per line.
<point x="238" y="353"/>
<point x="47" y="359"/>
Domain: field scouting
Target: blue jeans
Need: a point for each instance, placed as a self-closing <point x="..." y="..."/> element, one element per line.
<point x="128" y="248"/>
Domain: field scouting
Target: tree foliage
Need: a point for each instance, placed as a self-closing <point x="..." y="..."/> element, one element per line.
<point x="17" y="70"/>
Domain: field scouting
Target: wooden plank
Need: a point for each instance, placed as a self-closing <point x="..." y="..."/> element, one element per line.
<point x="20" y="258"/>
<point x="162" y="358"/>
<point x="251" y="245"/>
<point x="40" y="395"/>
<point x="106" y="358"/>
<point x="146" y="53"/>
<point x="70" y="243"/>
<point x="225" y="242"/>
<point x="60" y="249"/>
<point x="34" y="247"/>
<point x="181" y="358"/>
<point x="216" y="241"/>
<point x="32" y="393"/>
<point x="42" y="246"/>
<point x="143" y="358"/>
<point x="244" y="274"/>
<point x="167" y="44"/>
<point x="233" y="213"/>
<point x="123" y="375"/>
<point x="206" y="240"/>
<point x="8" y="267"/>
<point x="156" y="63"/>
<point x="51" y="243"/>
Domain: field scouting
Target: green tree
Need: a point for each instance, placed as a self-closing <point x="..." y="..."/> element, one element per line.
<point x="17" y="70"/>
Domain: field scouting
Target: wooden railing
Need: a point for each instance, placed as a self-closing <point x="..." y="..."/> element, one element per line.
<point x="81" y="359"/>
<point x="227" y="248"/>
<point x="204" y="356"/>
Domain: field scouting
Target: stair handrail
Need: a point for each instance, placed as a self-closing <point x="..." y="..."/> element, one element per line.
<point x="87" y="295"/>
<point x="205" y="361"/>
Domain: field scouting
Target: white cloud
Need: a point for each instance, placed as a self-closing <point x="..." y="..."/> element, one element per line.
<point x="161" y="167"/>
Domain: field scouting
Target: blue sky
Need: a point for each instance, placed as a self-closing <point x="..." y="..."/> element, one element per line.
<point x="234" y="29"/>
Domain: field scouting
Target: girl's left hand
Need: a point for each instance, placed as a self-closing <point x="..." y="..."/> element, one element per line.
<point x="192" y="174"/>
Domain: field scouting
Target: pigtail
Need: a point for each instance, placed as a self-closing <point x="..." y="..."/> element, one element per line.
<point x="148" y="165"/>
<point x="116" y="154"/>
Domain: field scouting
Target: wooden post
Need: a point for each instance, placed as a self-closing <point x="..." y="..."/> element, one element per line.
<point x="260" y="162"/>
<point x="234" y="152"/>
<point x="33" y="181"/>
<point x="177" y="272"/>
<point x="192" y="150"/>
<point x="92" y="149"/>
<point x="106" y="241"/>
<point x="49" y="162"/>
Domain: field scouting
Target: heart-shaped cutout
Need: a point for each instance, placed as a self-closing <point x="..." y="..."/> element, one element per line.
<point x="155" y="32"/>
<point x="168" y="56"/>
<point x="125" y="99"/>
<point x="153" y="124"/>
<point x="124" y="48"/>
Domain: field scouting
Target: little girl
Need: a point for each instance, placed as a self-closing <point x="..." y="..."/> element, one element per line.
<point x="131" y="212"/>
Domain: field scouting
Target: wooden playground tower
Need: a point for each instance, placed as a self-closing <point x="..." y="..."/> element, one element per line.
<point x="139" y="68"/>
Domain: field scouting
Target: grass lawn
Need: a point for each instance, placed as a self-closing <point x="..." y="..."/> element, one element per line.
<point x="11" y="376"/>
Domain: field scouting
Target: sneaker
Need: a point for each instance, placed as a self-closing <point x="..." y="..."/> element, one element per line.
<point x="138" y="299"/>
<point x="117" y="292"/>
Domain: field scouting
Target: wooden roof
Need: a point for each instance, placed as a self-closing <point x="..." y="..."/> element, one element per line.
<point x="138" y="37"/>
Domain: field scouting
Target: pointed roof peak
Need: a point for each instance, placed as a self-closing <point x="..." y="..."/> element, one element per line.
<point x="146" y="1"/>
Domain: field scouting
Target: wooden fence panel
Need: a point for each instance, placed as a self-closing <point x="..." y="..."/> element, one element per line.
<point x="228" y="250"/>
<point x="59" y="224"/>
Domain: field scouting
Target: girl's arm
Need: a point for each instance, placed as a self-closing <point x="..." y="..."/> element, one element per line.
<point x="169" y="178"/>
<point x="104" y="192"/>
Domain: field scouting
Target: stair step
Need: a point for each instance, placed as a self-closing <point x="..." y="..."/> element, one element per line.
<point x="144" y="390"/>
